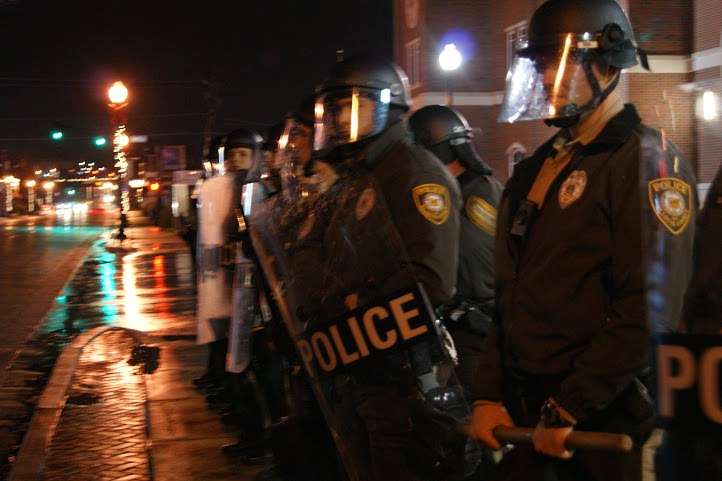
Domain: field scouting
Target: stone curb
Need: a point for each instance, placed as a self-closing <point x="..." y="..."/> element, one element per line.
<point x="30" y="462"/>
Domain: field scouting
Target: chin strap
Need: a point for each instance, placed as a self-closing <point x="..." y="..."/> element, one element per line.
<point x="572" y="112"/>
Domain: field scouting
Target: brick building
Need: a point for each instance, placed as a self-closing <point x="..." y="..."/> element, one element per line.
<point x="682" y="93"/>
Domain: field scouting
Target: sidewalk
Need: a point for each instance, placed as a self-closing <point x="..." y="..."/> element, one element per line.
<point x="109" y="413"/>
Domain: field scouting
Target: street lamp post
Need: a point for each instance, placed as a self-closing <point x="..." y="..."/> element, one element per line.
<point x="450" y="59"/>
<point x="118" y="96"/>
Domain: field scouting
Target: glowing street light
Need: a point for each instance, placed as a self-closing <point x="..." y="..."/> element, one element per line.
<point x="450" y="59"/>
<point x="118" y="94"/>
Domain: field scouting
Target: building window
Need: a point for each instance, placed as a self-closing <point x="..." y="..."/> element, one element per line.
<point x="413" y="62"/>
<point x="515" y="154"/>
<point x="515" y="35"/>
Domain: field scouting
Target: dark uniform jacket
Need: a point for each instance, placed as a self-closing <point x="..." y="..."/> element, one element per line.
<point x="571" y="290"/>
<point x="424" y="202"/>
<point x="475" y="281"/>
<point x="703" y="308"/>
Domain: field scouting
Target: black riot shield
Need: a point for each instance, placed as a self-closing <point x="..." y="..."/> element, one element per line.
<point x="362" y="327"/>
<point x="669" y="205"/>
<point x="686" y="444"/>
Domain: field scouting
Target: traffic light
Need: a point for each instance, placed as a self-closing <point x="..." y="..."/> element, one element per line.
<point x="100" y="141"/>
<point x="56" y="134"/>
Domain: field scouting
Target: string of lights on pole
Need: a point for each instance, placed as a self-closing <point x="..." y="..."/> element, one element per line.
<point x="120" y="143"/>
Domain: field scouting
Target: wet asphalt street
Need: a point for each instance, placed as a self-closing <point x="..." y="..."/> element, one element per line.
<point x="37" y="257"/>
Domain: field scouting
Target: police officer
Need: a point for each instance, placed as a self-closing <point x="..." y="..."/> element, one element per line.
<point x="300" y="441"/>
<point x="692" y="452"/>
<point x="423" y="197"/>
<point x="446" y="133"/>
<point x="572" y="336"/>
<point x="238" y="398"/>
<point x="214" y="199"/>
<point x="360" y="111"/>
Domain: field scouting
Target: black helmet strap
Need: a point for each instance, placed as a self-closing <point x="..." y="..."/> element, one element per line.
<point x="598" y="96"/>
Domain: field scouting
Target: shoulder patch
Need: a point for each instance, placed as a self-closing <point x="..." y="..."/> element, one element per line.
<point x="481" y="213"/>
<point x="432" y="201"/>
<point x="671" y="201"/>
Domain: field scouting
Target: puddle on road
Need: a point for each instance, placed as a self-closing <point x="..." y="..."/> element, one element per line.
<point x="148" y="290"/>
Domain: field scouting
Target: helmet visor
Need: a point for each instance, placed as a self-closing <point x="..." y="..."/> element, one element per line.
<point x="345" y="116"/>
<point x="549" y="83"/>
<point x="294" y="149"/>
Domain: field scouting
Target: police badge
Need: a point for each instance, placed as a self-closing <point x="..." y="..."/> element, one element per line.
<point x="671" y="199"/>
<point x="432" y="201"/>
<point x="572" y="188"/>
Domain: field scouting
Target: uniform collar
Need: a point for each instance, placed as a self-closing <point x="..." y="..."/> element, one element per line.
<point x="374" y="152"/>
<point x="615" y="133"/>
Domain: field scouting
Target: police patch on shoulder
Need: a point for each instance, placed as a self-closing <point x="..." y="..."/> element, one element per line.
<point x="671" y="200"/>
<point x="481" y="213"/>
<point x="365" y="203"/>
<point x="572" y="188"/>
<point x="433" y="202"/>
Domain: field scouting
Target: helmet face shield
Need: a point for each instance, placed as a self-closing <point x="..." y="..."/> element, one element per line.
<point x="345" y="116"/>
<point x="294" y="145"/>
<point x="550" y="83"/>
<point x="294" y="150"/>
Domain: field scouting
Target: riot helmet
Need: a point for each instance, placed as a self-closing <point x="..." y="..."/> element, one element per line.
<point x="359" y="100"/>
<point x="241" y="151"/>
<point x="446" y="133"/>
<point x="573" y="48"/>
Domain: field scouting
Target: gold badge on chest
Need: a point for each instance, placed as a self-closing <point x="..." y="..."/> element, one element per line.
<point x="572" y="188"/>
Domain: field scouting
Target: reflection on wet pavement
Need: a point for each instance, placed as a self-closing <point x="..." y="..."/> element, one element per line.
<point x="102" y="432"/>
<point x="149" y="288"/>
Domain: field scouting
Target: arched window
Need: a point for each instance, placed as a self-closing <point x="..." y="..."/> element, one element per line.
<point x="515" y="154"/>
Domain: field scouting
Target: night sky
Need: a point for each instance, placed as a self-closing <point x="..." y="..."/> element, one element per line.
<point x="58" y="57"/>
